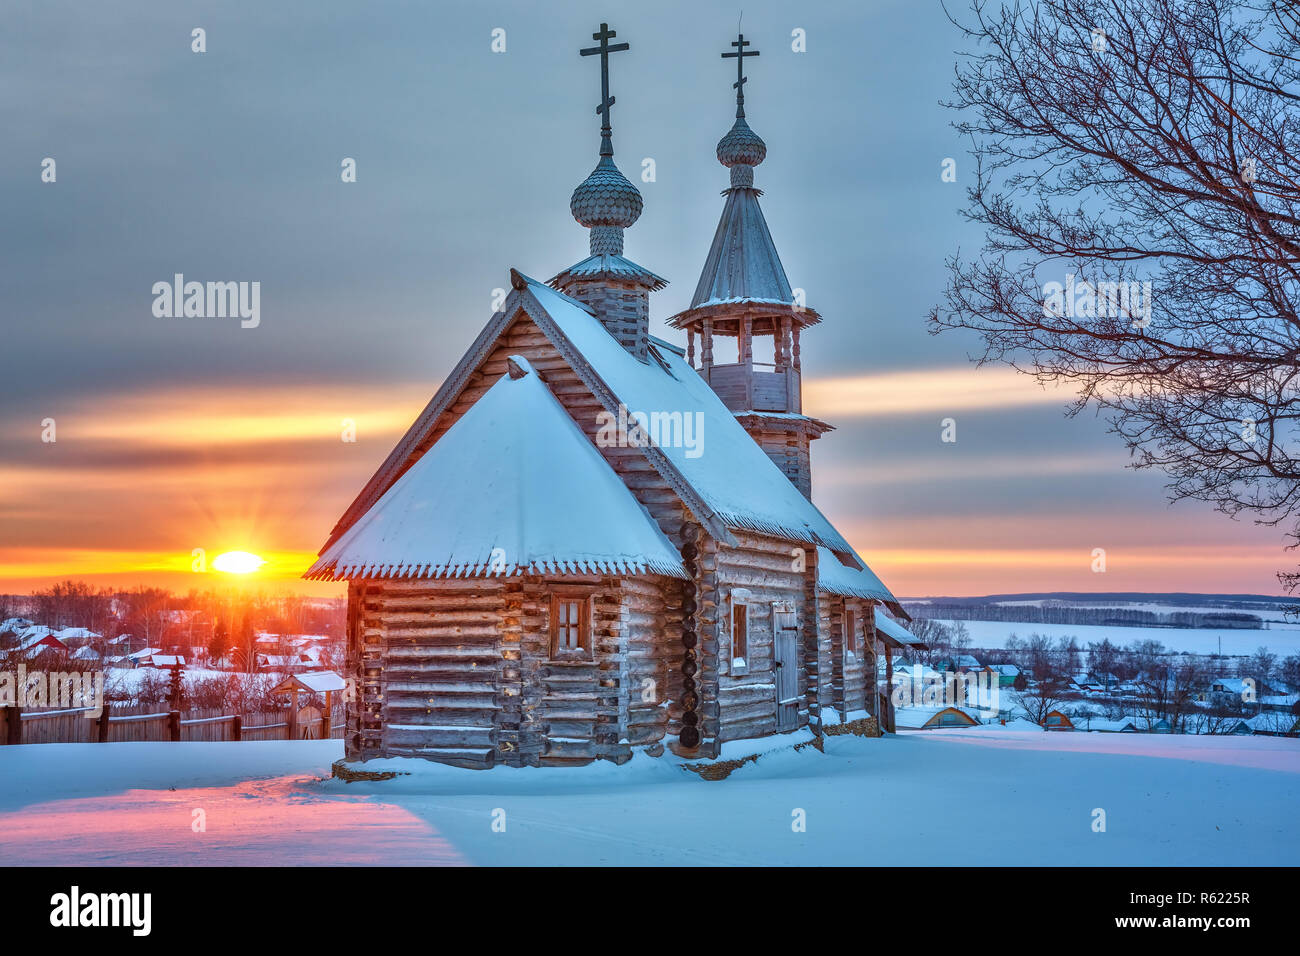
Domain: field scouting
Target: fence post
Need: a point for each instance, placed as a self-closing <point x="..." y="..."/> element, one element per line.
<point x="13" y="725"/>
<point x="293" y="714"/>
<point x="326" y="727"/>
<point x="103" y="723"/>
<point x="237" y="728"/>
<point x="174" y="724"/>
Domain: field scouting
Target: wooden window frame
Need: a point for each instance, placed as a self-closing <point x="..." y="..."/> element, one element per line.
<point x="583" y="598"/>
<point x="849" y="632"/>
<point x="739" y="654"/>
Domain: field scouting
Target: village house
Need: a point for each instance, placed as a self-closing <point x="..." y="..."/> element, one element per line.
<point x="142" y="657"/>
<point x="24" y="640"/>
<point x="1234" y="691"/>
<point x="931" y="718"/>
<point x="549" y="569"/>
<point x="1007" y="674"/>
<point x="1267" y="724"/>
<point x="1118" y="725"/>
<point x="1057" y="720"/>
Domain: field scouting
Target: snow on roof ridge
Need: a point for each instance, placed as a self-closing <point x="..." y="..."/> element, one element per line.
<point x="746" y="474"/>
<point x="467" y="507"/>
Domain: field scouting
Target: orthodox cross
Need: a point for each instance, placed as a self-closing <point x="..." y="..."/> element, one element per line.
<point x="606" y="101"/>
<point x="740" y="43"/>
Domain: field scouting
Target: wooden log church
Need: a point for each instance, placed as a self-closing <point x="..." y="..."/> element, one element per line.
<point x="593" y="541"/>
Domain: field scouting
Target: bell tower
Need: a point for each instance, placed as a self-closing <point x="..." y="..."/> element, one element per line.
<point x="743" y="295"/>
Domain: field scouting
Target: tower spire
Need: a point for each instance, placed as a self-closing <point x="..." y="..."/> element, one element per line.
<point x="743" y="293"/>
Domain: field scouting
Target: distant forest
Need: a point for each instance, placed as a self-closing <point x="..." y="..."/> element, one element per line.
<point x="1065" y="614"/>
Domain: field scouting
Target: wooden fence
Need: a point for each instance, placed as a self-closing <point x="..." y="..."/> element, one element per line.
<point x="140" y="723"/>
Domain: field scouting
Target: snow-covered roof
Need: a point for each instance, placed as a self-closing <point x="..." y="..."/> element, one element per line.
<point x="33" y="636"/>
<point x="1283" y="701"/>
<point x="910" y="672"/>
<point x="316" y="682"/>
<point x="278" y="660"/>
<point x="1272" y="722"/>
<point x="1007" y="670"/>
<point x="1232" y="685"/>
<point x="891" y="628"/>
<point x="834" y="577"/>
<point x="727" y="480"/>
<point x="1119" y="725"/>
<point x="86" y="653"/>
<point x="729" y="470"/>
<point x="1144" y="723"/>
<point x="76" y="634"/>
<point x="914" y="718"/>
<point x="513" y="487"/>
<point x="141" y="654"/>
<point x="166" y="660"/>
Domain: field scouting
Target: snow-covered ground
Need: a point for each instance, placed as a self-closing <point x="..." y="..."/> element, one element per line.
<point x="1281" y="640"/>
<point x="961" y="797"/>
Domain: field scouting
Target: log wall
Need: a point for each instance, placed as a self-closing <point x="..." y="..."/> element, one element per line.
<point x="764" y="569"/>
<point x="461" y="671"/>
<point x="849" y="676"/>
<point x="789" y="451"/>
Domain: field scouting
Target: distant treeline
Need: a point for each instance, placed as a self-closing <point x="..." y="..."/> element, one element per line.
<point x="1105" y="616"/>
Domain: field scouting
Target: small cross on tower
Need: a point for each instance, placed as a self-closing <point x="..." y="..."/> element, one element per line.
<point x="740" y="43"/>
<point x="606" y="101"/>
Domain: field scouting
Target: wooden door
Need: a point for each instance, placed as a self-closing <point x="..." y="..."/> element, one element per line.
<point x="785" y="661"/>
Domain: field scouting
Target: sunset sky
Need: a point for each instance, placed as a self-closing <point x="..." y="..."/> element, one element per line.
<point x="176" y="434"/>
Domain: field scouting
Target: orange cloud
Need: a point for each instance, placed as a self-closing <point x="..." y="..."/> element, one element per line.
<point x="946" y="389"/>
<point x="920" y="572"/>
<point x="137" y="481"/>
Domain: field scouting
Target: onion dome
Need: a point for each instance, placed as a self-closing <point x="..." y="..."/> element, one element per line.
<point x="741" y="150"/>
<point x="606" y="202"/>
<point x="741" y="146"/>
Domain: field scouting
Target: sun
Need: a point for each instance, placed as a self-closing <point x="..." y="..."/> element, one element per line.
<point x="238" y="562"/>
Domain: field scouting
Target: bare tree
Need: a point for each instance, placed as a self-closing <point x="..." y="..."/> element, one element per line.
<point x="1290" y="673"/>
<point x="1169" y="692"/>
<point x="1041" y="659"/>
<point x="1040" y="698"/>
<point x="1102" y="659"/>
<point x="1124" y="142"/>
<point x="937" y="637"/>
<point x="1261" y="666"/>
